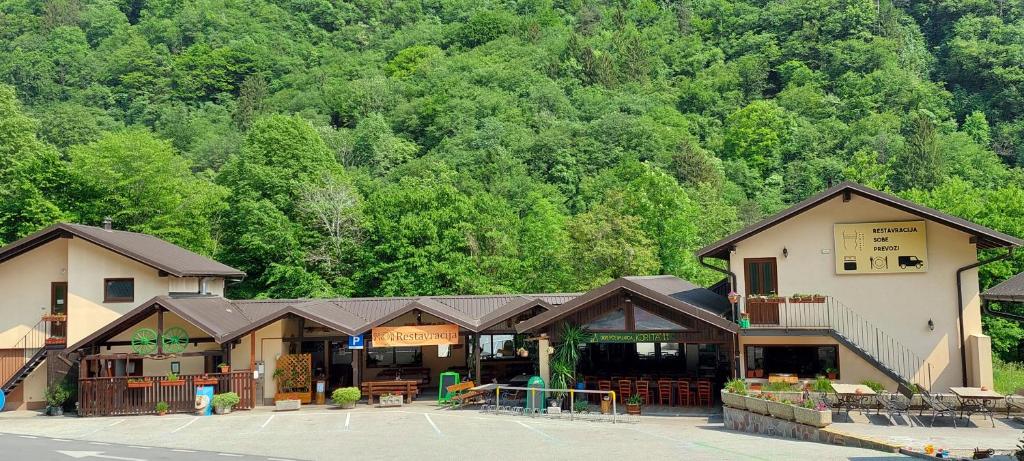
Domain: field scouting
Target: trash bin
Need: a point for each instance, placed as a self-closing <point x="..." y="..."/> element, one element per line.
<point x="535" y="400"/>
<point x="321" y="390"/>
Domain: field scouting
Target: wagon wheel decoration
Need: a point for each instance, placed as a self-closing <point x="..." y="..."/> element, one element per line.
<point x="144" y="341"/>
<point x="174" y="340"/>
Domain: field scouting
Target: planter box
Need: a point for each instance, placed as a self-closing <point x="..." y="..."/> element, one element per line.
<point x="204" y="382"/>
<point x="733" y="400"/>
<point x="632" y="409"/>
<point x="812" y="417"/>
<point x="222" y="410"/>
<point x="176" y="383"/>
<point x="140" y="385"/>
<point x="287" y="405"/>
<point x="756" y="405"/>
<point x="390" y="401"/>
<point x="303" y="397"/>
<point x="781" y="410"/>
<point x="808" y="300"/>
<point x="347" y="405"/>
<point x="56" y="341"/>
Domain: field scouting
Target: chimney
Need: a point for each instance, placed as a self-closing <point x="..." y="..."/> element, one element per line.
<point x="108" y="224"/>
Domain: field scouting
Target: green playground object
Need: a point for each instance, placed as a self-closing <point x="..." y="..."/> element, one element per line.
<point x="446" y="379"/>
<point x="535" y="400"/>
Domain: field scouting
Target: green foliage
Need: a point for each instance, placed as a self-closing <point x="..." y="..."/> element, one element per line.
<point x="567" y="356"/>
<point x="344" y="395"/>
<point x="226" y="400"/>
<point x="821" y="384"/>
<point x="1008" y="377"/>
<point x="736" y="386"/>
<point x="162" y="407"/>
<point x="781" y="386"/>
<point x="635" y="399"/>
<point x="874" y="385"/>
<point x="57" y="394"/>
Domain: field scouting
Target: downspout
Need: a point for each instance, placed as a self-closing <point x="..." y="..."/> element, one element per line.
<point x="735" y="312"/>
<point x="960" y="307"/>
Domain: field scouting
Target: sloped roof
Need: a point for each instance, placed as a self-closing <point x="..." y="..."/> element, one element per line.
<point x="146" y="249"/>
<point x="986" y="238"/>
<point x="1010" y="290"/>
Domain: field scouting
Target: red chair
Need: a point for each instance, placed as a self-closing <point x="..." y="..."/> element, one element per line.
<point x="603" y="385"/>
<point x="664" y="391"/>
<point x="625" y="389"/>
<point x="643" y="389"/>
<point x="684" y="393"/>
<point x="704" y="392"/>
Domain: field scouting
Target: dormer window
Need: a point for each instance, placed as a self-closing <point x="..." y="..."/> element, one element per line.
<point x="120" y="290"/>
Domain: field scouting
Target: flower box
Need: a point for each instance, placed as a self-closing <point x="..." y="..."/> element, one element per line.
<point x="812" y="417"/>
<point x="205" y="381"/>
<point x="756" y="405"/>
<point x="287" y="404"/>
<point x="390" y="401"/>
<point x="56" y="340"/>
<point x="139" y="384"/>
<point x="807" y="299"/>
<point x="55" y="318"/>
<point x="781" y="410"/>
<point x="733" y="400"/>
<point x="174" y="383"/>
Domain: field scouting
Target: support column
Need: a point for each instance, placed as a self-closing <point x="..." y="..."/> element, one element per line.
<point x="159" y="330"/>
<point x="542" y="356"/>
<point x="252" y="351"/>
<point x="476" y="358"/>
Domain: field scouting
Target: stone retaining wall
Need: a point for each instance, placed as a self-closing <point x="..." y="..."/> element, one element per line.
<point x="745" y="421"/>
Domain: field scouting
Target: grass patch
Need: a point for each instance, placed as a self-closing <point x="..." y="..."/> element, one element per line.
<point x="1007" y="376"/>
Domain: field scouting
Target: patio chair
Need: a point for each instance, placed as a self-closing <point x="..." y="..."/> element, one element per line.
<point x="1012" y="404"/>
<point x="684" y="393"/>
<point x="643" y="389"/>
<point x="937" y="406"/>
<point x="704" y="392"/>
<point x="664" y="391"/>
<point x="625" y="390"/>
<point x="894" y="405"/>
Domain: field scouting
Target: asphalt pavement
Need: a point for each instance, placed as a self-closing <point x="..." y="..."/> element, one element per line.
<point x="30" y="447"/>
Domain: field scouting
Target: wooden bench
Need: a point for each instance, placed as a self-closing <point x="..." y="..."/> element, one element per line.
<point x="462" y="393"/>
<point x="408" y="389"/>
<point x="418" y="374"/>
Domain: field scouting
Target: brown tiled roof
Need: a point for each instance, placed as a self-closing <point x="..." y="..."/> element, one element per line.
<point x="1010" y="290"/>
<point x="146" y="249"/>
<point x="986" y="238"/>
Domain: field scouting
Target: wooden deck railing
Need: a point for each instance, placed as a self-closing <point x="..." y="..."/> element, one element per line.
<point x="113" y="396"/>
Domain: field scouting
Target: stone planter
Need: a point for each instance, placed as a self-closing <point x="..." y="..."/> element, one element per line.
<point x="390" y="401"/>
<point x="756" y="405"/>
<point x="781" y="410"/>
<point x="222" y="410"/>
<point x="733" y="400"/>
<point x="287" y="405"/>
<point x="812" y="417"/>
<point x="347" y="405"/>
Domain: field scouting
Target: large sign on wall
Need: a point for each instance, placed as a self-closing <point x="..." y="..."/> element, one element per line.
<point x="636" y="337"/>
<point x="881" y="247"/>
<point x="415" y="335"/>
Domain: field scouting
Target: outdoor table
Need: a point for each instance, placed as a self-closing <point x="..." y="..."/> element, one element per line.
<point x="974" y="400"/>
<point x="852" y="395"/>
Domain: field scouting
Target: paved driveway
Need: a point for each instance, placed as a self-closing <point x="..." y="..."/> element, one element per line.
<point x="424" y="433"/>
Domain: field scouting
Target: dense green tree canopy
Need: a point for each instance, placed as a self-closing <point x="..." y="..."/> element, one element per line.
<point x="334" y="148"/>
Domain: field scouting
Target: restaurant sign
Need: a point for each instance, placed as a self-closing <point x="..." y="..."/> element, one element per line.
<point x="636" y="337"/>
<point x="881" y="247"/>
<point x="415" y="335"/>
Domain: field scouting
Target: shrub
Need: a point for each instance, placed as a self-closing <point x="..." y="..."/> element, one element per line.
<point x="57" y="394"/>
<point x="343" y="395"/>
<point x="822" y="384"/>
<point x="226" y="400"/>
<point x="736" y="386"/>
<point x="581" y="406"/>
<point x="162" y="407"/>
<point x="635" y="399"/>
<point x="874" y="385"/>
<point x="780" y="387"/>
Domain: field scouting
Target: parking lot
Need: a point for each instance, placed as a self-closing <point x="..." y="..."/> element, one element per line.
<point x="424" y="433"/>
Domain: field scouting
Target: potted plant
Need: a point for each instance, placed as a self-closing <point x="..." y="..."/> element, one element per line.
<point x="139" y="383"/>
<point x="223" y="403"/>
<point x="390" y="400"/>
<point x="733" y="393"/>
<point x="162" y="407"/>
<point x="346" y="397"/>
<point x="633" y="404"/>
<point x="56" y="395"/>
<point x="832" y="373"/>
<point x="224" y="367"/>
<point x="813" y="413"/>
<point x="759" y="373"/>
<point x="758" y="403"/>
<point x="781" y="409"/>
<point x="744" y="320"/>
<point x="172" y="380"/>
<point x="204" y="380"/>
<point x="523" y="352"/>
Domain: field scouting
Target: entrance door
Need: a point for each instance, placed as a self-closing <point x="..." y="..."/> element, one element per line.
<point x="59" y="306"/>
<point x="762" y="279"/>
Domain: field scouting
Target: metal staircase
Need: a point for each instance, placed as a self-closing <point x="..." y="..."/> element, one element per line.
<point x="34" y="347"/>
<point x="874" y="345"/>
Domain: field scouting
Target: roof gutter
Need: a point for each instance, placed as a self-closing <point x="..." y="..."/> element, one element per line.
<point x="960" y="306"/>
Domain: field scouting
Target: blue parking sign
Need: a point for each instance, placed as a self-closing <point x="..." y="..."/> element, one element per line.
<point x="355" y="342"/>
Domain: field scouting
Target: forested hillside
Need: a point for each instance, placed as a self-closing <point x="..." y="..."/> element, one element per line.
<point x="377" y="147"/>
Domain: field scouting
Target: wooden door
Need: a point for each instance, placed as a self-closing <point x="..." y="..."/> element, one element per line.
<point x="762" y="278"/>
<point x="59" y="306"/>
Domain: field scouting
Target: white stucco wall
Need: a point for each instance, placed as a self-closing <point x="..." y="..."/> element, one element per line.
<point x="899" y="304"/>
<point x="25" y="282"/>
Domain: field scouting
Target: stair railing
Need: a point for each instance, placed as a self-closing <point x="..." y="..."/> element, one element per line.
<point x="27" y="347"/>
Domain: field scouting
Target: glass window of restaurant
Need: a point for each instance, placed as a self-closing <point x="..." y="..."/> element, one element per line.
<point x="383" y="357"/>
<point x="660" y="359"/>
<point x="805" y="361"/>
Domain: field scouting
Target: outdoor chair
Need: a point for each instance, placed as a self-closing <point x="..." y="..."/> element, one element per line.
<point x="664" y="391"/>
<point x="894" y="405"/>
<point x="937" y="406"/>
<point x="643" y="389"/>
<point x="704" y="392"/>
<point x="1012" y="404"/>
<point x="625" y="389"/>
<point x="684" y="393"/>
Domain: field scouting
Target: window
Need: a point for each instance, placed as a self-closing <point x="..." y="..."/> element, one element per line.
<point x="497" y="347"/>
<point x="612" y="321"/>
<point x="381" y="357"/>
<point x="803" y="361"/>
<point x="444" y="351"/>
<point x="646" y="321"/>
<point x="118" y="290"/>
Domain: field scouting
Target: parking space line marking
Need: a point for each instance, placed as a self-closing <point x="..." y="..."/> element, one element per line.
<point x="267" y="421"/>
<point x="436" y="429"/>
<point x="27" y="436"/>
<point x="278" y="459"/>
<point x="534" y="429"/>
<point x="60" y="440"/>
<point x="348" y="419"/>
<point x="229" y="454"/>
<point x="99" y="443"/>
<point x="140" y="447"/>
<point x="186" y="424"/>
<point x="179" y="450"/>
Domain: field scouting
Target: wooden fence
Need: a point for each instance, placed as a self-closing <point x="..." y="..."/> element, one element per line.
<point x="118" y="396"/>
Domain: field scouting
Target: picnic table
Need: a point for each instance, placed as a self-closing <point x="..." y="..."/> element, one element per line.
<point x="852" y="396"/>
<point x="974" y="400"/>
<point x="406" y="388"/>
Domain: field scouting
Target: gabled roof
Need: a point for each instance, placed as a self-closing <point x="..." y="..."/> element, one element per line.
<point x="146" y="249"/>
<point x="986" y="238"/>
<point x="1010" y="290"/>
<point x="666" y="290"/>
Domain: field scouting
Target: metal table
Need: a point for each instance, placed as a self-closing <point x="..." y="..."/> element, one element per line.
<point x="852" y="396"/>
<point x="974" y="400"/>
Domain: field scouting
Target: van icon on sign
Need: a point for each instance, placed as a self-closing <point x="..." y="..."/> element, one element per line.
<point x="910" y="261"/>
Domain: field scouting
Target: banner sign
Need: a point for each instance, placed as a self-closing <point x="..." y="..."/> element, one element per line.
<point x="881" y="247"/>
<point x="415" y="335"/>
<point x="636" y="337"/>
